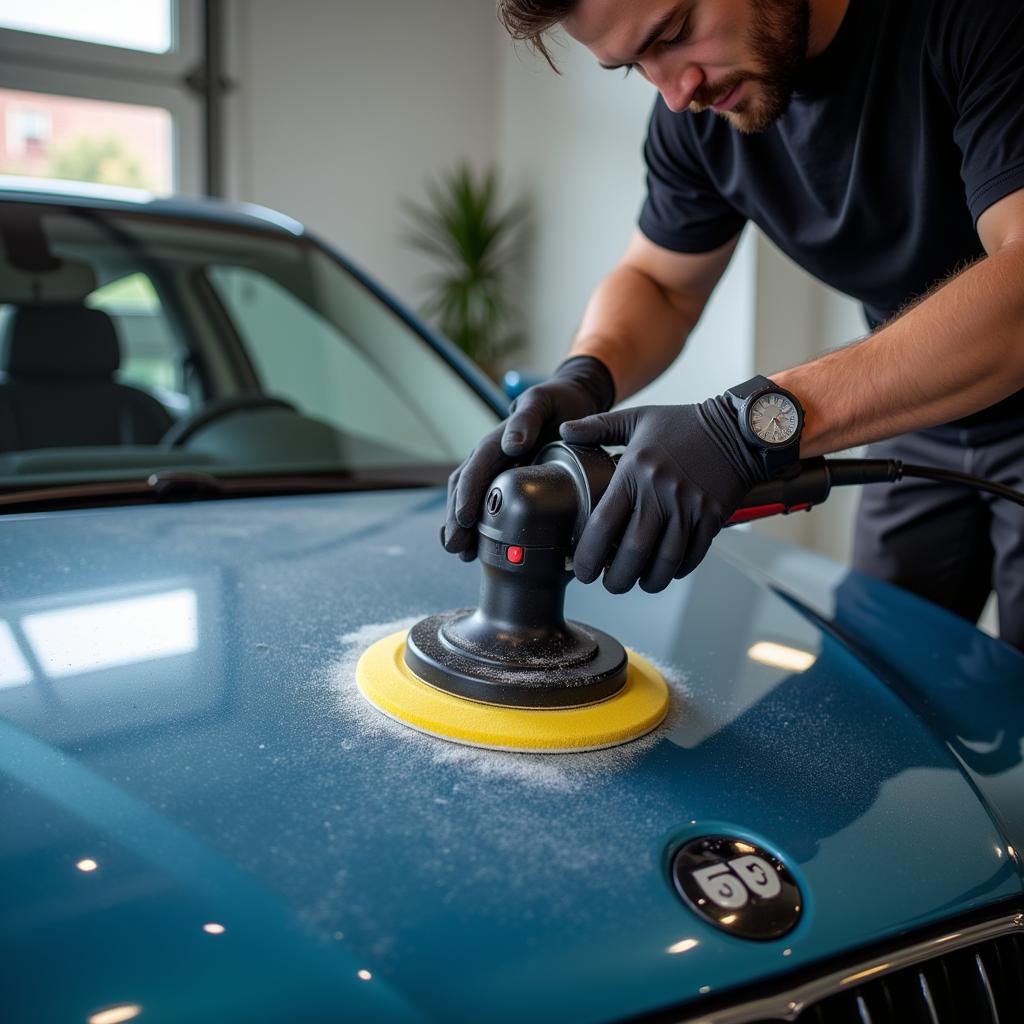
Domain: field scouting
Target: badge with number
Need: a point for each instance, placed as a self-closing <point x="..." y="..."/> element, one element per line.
<point x="738" y="886"/>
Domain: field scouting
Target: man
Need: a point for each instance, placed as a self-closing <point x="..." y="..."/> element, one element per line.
<point x="879" y="143"/>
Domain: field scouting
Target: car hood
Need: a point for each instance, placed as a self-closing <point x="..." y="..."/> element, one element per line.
<point x="179" y="708"/>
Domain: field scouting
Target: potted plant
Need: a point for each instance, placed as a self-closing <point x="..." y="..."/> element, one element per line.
<point x="475" y="245"/>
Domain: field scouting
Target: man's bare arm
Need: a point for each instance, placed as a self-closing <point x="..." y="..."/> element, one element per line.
<point x="958" y="350"/>
<point x="640" y="315"/>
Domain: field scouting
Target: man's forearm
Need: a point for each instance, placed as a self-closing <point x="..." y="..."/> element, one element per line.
<point x="959" y="350"/>
<point x="635" y="327"/>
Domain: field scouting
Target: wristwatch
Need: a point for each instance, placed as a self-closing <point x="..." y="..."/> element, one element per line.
<point x="770" y="420"/>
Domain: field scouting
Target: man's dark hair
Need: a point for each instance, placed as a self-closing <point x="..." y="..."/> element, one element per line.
<point x="529" y="20"/>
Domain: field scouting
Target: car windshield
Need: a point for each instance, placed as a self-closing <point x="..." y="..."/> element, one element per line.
<point x="133" y="343"/>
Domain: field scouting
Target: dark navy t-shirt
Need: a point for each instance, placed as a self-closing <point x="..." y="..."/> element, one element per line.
<point x="899" y="136"/>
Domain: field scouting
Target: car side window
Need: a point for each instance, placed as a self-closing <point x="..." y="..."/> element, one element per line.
<point x="151" y="356"/>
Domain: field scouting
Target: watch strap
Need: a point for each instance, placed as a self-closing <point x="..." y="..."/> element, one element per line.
<point x="776" y="460"/>
<point x="741" y="392"/>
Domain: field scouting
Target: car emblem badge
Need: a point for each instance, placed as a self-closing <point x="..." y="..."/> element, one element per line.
<point x="738" y="886"/>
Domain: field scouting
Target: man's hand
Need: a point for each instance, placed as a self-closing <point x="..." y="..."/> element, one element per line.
<point x="683" y="473"/>
<point x="581" y="386"/>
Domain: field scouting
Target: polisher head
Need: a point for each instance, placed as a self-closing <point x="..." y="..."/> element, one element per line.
<point x="388" y="683"/>
<point x="513" y="673"/>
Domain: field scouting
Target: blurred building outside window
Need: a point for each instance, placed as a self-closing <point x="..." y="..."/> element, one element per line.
<point x="28" y="129"/>
<point x="65" y="137"/>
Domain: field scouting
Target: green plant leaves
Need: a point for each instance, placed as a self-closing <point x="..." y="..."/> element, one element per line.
<point x="474" y="245"/>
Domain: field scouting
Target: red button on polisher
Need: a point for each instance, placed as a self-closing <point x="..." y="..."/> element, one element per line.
<point x="514" y="554"/>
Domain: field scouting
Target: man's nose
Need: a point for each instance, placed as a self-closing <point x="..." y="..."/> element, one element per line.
<point x="677" y="87"/>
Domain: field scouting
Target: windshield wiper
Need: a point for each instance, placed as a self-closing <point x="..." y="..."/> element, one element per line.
<point x="186" y="485"/>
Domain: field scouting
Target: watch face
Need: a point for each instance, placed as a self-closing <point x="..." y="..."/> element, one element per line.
<point x="773" y="418"/>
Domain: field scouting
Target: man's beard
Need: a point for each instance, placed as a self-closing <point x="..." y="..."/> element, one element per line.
<point x="779" y="36"/>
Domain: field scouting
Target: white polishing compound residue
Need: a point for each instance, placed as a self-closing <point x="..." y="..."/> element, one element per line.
<point x="565" y="772"/>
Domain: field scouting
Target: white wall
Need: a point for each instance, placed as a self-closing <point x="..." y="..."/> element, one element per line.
<point x="343" y="109"/>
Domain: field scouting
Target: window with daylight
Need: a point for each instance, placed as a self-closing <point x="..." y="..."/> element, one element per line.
<point x="139" y="25"/>
<point x="95" y="92"/>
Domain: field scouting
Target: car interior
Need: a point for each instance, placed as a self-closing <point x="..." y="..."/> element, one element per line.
<point x="60" y="387"/>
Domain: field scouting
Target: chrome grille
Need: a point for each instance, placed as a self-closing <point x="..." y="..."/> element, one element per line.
<point x="981" y="984"/>
<point x="974" y="975"/>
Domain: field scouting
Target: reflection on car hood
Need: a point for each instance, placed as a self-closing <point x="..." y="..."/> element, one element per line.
<point x="178" y="706"/>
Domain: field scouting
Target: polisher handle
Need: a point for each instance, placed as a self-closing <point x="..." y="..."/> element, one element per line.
<point x="807" y="484"/>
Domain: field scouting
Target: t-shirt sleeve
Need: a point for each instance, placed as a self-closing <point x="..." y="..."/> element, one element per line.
<point x="982" y="45"/>
<point x="683" y="210"/>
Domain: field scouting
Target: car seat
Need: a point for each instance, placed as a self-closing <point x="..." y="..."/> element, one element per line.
<point x="59" y="389"/>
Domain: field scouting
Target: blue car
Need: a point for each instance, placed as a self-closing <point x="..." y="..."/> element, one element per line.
<point x="222" y="461"/>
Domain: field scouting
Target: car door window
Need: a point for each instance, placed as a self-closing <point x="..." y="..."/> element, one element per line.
<point x="151" y="357"/>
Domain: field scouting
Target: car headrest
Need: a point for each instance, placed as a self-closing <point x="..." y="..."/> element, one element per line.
<point x="62" y="341"/>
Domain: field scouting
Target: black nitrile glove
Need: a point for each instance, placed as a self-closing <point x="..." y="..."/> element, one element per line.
<point x="684" y="472"/>
<point x="579" y="387"/>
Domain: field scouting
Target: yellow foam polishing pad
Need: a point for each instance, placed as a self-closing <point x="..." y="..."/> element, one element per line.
<point x="389" y="685"/>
